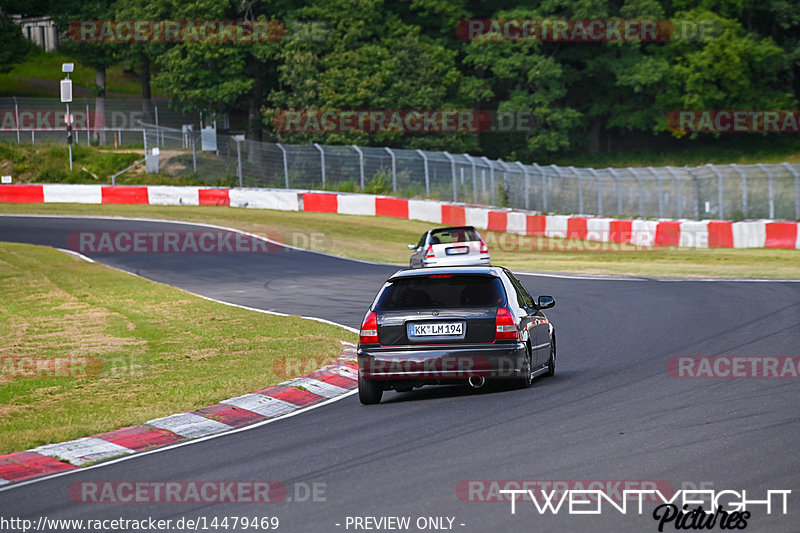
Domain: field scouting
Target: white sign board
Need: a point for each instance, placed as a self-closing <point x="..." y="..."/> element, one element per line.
<point x="66" y="91"/>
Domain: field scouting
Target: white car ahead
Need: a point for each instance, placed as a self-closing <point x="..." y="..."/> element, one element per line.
<point x="454" y="246"/>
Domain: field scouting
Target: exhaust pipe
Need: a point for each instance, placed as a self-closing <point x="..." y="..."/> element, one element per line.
<point x="476" y="382"/>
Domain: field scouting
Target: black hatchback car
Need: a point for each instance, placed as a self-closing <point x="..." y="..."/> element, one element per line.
<point x="448" y="324"/>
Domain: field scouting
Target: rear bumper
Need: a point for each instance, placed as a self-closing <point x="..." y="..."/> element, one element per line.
<point x="455" y="260"/>
<point x="441" y="363"/>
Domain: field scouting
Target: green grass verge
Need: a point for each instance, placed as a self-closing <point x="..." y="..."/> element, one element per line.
<point x="385" y="239"/>
<point x="152" y="350"/>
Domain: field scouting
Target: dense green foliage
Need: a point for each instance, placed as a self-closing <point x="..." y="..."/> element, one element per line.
<point x="13" y="45"/>
<point x="585" y="97"/>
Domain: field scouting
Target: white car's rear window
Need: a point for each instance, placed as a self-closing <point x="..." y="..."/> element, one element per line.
<point x="452" y="236"/>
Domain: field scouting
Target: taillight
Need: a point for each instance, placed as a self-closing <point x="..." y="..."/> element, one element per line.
<point x="429" y="253"/>
<point x="369" y="329"/>
<point x="505" y="325"/>
<point x="484" y="248"/>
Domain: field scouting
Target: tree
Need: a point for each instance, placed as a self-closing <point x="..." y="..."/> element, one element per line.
<point x="370" y="60"/>
<point x="13" y="45"/>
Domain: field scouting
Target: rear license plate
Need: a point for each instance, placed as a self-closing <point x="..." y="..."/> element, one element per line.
<point x="456" y="250"/>
<point x="436" y="329"/>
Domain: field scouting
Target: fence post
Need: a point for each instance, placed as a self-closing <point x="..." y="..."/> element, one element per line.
<point x="678" y="199"/>
<point x="492" y="192"/>
<point x="285" y="165"/>
<point x="617" y="187"/>
<point x="720" y="197"/>
<point x="527" y="184"/>
<point x="427" y="176"/>
<point x="88" y="124"/>
<point x="599" y="186"/>
<point x="796" y="189"/>
<point x="194" y="153"/>
<point x="394" y="169"/>
<point x="322" y="162"/>
<point x="16" y="115"/>
<point x="743" y="175"/>
<point x="696" y="179"/>
<point x="559" y="174"/>
<point x="505" y="178"/>
<point x="453" y="173"/>
<point x="360" y="164"/>
<point x="474" y="178"/>
<point x="771" y="192"/>
<point x="580" y="189"/>
<point x="544" y="186"/>
<point x="660" y="192"/>
<point x="238" y="139"/>
<point x="640" y="189"/>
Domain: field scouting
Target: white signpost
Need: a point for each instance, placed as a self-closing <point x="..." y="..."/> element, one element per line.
<point x="66" y="97"/>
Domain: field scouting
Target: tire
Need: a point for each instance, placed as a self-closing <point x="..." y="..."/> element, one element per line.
<point x="551" y="363"/>
<point x="527" y="378"/>
<point x="369" y="392"/>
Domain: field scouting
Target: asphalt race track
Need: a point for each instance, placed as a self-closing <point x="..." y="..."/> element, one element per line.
<point x="612" y="412"/>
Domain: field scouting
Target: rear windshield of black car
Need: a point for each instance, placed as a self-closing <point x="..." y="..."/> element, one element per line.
<point x="443" y="290"/>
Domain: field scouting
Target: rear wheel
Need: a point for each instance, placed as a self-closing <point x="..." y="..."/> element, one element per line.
<point x="551" y="363"/>
<point x="369" y="392"/>
<point x="527" y="369"/>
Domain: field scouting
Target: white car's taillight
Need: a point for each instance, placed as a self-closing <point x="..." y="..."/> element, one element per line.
<point x="484" y="248"/>
<point x="429" y="253"/>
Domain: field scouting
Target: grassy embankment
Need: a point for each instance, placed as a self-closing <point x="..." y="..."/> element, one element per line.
<point x="130" y="349"/>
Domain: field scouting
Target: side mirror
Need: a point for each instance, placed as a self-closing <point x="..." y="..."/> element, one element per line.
<point x="546" y="302"/>
<point x="412" y="246"/>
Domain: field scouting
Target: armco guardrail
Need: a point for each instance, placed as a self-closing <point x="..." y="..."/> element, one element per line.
<point x="732" y="192"/>
<point x="683" y="233"/>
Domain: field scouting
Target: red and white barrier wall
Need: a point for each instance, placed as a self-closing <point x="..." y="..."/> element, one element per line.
<point x="684" y="233"/>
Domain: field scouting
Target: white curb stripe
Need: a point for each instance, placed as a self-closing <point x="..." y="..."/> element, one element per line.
<point x="345" y="371"/>
<point x="517" y="223"/>
<point x="356" y="204"/>
<point x="477" y="217"/>
<point x="314" y="386"/>
<point x="556" y="226"/>
<point x="4" y="481"/>
<point x="73" y="194"/>
<point x="694" y="234"/>
<point x="171" y="195"/>
<point x="261" y="404"/>
<point x="189" y="425"/>
<point x="81" y="451"/>
<point x="265" y="199"/>
<point x="425" y="210"/>
<point x="598" y="229"/>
